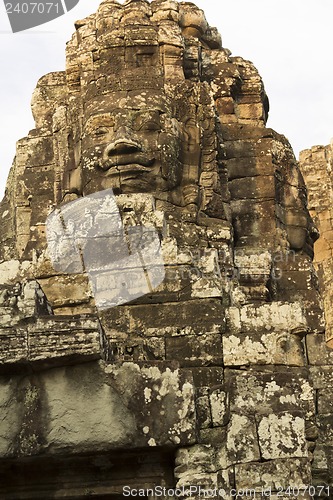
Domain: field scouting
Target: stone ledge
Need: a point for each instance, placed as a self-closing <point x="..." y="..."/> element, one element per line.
<point x="51" y="341"/>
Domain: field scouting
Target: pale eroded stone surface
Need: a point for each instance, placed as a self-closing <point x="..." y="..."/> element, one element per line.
<point x="316" y="165"/>
<point x="221" y="372"/>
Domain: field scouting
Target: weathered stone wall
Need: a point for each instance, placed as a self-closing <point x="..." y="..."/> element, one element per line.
<point x="221" y="372"/>
<point x="316" y="165"/>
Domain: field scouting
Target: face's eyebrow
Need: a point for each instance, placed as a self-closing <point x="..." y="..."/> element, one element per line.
<point x="99" y="120"/>
<point x="150" y="109"/>
<point x="150" y="112"/>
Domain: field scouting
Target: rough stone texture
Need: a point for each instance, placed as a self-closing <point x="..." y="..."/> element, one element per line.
<point x="50" y="411"/>
<point x="274" y="475"/>
<point x="316" y="165"/>
<point x="95" y="475"/>
<point x="220" y="376"/>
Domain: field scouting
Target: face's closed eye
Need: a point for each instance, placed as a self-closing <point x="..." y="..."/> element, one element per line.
<point x="100" y="131"/>
<point x="147" y="121"/>
<point x="99" y="125"/>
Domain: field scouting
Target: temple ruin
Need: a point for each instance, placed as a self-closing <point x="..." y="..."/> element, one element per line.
<point x="162" y="317"/>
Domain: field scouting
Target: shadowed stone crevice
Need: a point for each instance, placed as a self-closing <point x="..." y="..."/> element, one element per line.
<point x="101" y="475"/>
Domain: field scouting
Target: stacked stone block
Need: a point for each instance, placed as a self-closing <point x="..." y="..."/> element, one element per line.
<point x="221" y="372"/>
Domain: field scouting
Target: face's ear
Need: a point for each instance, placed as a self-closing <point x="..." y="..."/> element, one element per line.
<point x="192" y="133"/>
<point x="75" y="181"/>
<point x="190" y="159"/>
<point x="191" y="141"/>
<point x="72" y="188"/>
<point x="71" y="175"/>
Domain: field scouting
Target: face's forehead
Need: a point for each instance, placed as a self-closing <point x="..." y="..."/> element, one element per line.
<point x="115" y="102"/>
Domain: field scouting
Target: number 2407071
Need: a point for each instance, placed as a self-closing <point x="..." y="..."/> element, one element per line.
<point x="32" y="8"/>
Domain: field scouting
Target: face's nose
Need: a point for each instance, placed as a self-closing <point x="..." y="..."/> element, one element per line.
<point x="123" y="143"/>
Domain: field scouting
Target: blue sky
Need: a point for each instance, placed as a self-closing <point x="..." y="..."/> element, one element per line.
<point x="289" y="41"/>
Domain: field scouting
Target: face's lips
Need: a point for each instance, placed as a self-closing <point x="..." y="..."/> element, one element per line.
<point x="135" y="160"/>
<point x="126" y="170"/>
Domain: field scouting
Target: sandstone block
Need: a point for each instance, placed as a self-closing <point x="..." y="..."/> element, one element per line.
<point x="216" y="435"/>
<point x="258" y="263"/>
<point x="218" y="399"/>
<point x="321" y="377"/>
<point x="49" y="341"/>
<point x="262" y="349"/>
<point x="259" y="208"/>
<point x="67" y="289"/>
<point x="135" y="348"/>
<point x="249" y="167"/>
<point x="271" y="393"/>
<point x="194" y="350"/>
<point x="282" y="436"/>
<point x="318" y="352"/>
<point x="277" y="316"/>
<point x="86" y="407"/>
<point x="252" y="187"/>
<point x="225" y="105"/>
<point x="250" y="111"/>
<point x="157" y="389"/>
<point x="14" y="345"/>
<point x="324" y="402"/>
<point x="325" y="422"/>
<point x="239" y="149"/>
<point x="191" y="317"/>
<point x="199" y="458"/>
<point x="274" y="474"/>
<point x="241" y="442"/>
<point x="40" y="152"/>
<point x="207" y="377"/>
<point x="204" y="417"/>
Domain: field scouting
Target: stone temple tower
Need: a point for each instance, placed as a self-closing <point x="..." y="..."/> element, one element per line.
<point x="161" y="324"/>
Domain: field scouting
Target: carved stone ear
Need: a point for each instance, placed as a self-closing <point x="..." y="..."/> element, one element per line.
<point x="75" y="181"/>
<point x="192" y="135"/>
<point x="190" y="151"/>
<point x="190" y="159"/>
<point x="71" y="179"/>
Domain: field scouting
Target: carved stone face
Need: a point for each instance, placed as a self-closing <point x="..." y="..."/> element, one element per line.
<point x="300" y="228"/>
<point x="131" y="149"/>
